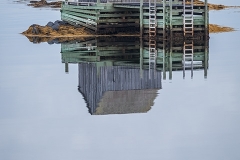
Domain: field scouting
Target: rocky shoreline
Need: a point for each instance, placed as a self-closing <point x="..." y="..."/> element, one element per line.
<point x="44" y="3"/>
<point x="64" y="31"/>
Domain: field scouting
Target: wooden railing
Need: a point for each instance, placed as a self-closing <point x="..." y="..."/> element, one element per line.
<point x="78" y="2"/>
<point x="131" y="1"/>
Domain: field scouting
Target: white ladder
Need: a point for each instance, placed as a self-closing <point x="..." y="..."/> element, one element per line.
<point x="188" y="18"/>
<point x="152" y="56"/>
<point x="188" y="52"/>
<point x="152" y="18"/>
<point x="152" y="34"/>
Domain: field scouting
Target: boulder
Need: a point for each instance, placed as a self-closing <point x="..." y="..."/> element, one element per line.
<point x="50" y="24"/>
<point x="55" y="26"/>
<point x="35" y="29"/>
<point x="60" y="22"/>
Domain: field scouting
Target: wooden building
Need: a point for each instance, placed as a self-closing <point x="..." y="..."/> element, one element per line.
<point x="149" y="17"/>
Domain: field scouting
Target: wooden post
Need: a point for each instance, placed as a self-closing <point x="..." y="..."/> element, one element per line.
<point x="141" y="57"/>
<point x="164" y="59"/>
<point x="141" y="18"/>
<point x="205" y="62"/>
<point x="164" y="18"/>
<point x="170" y="61"/>
<point x="66" y="68"/>
<point x="206" y="57"/>
<point x="170" y="10"/>
<point x="206" y="19"/>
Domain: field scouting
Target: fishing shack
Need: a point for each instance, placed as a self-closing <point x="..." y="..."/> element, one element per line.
<point x="167" y="18"/>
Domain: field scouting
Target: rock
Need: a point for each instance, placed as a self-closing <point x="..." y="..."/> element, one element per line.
<point x="57" y="22"/>
<point x="53" y="41"/>
<point x="50" y="42"/>
<point x="60" y="22"/>
<point x="35" y="29"/>
<point x="50" y="24"/>
<point x="35" y="40"/>
<point x="33" y="1"/>
<point x="34" y="25"/>
<point x="55" y="26"/>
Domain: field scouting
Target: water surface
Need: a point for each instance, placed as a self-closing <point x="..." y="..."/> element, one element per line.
<point x="43" y="115"/>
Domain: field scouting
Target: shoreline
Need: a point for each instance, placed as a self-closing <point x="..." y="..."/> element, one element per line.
<point x="71" y="31"/>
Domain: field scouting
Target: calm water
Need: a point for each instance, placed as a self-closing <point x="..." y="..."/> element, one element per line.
<point x="43" y="115"/>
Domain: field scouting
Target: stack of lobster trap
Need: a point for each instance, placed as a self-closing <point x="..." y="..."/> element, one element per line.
<point x="161" y="18"/>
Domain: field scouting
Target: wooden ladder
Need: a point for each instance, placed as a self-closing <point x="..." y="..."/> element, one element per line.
<point x="188" y="51"/>
<point x="188" y="18"/>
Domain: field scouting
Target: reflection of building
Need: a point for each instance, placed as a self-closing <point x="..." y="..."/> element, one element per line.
<point x="116" y="76"/>
<point x="172" y="56"/>
<point x="132" y="50"/>
<point x="117" y="89"/>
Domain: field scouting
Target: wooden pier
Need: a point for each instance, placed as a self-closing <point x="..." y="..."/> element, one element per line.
<point x="148" y="17"/>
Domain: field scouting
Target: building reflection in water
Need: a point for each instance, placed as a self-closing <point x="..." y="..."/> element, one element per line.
<point x="120" y="75"/>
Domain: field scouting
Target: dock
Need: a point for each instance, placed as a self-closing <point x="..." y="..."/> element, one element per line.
<point x="149" y="18"/>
